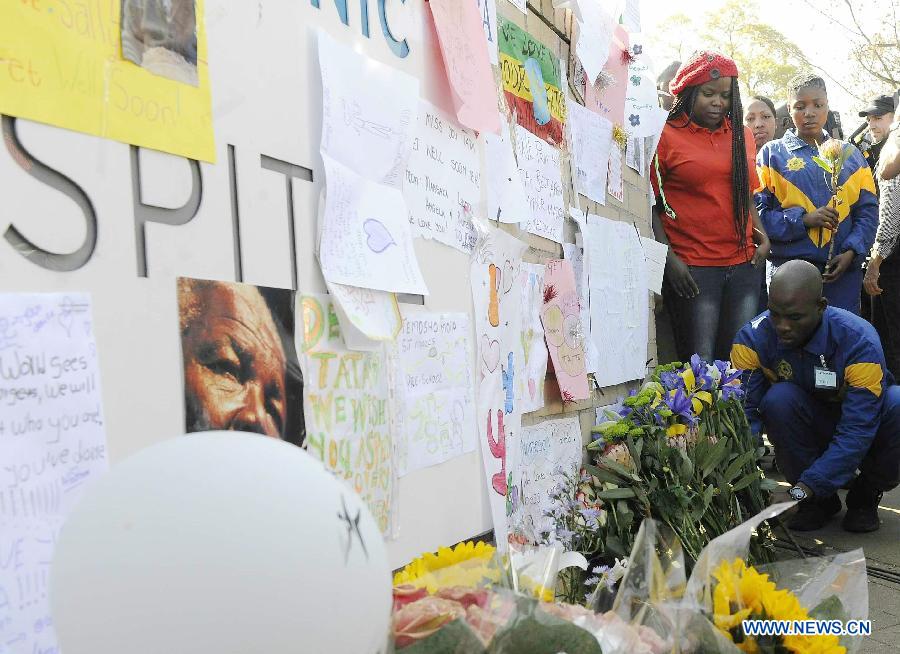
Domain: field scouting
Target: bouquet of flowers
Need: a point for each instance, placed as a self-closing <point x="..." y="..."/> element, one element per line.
<point x="463" y="601"/>
<point x="680" y="450"/>
<point x="726" y="590"/>
<point x="833" y="154"/>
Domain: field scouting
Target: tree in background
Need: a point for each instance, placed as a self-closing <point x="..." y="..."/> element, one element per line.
<point x="873" y="33"/>
<point x="766" y="59"/>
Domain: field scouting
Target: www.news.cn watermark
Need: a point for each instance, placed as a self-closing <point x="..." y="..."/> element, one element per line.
<point x="807" y="628"/>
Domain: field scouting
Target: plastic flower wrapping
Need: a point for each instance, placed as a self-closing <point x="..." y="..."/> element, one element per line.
<point x="471" y="600"/>
<point x="657" y="608"/>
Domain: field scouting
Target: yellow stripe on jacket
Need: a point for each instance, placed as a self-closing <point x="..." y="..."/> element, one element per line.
<point x="746" y="358"/>
<point x="865" y="375"/>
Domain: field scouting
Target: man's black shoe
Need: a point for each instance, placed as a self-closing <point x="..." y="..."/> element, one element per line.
<point x="862" y="507"/>
<point x="813" y="514"/>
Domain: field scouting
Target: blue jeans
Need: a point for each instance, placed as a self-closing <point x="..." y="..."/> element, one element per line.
<point x="706" y="324"/>
<point x="845" y="292"/>
<point x="801" y="427"/>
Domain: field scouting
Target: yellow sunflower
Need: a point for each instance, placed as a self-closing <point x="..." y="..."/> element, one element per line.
<point x="468" y="564"/>
<point x="796" y="163"/>
<point x="742" y="591"/>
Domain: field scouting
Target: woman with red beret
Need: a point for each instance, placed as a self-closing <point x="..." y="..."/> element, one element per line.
<point x="703" y="174"/>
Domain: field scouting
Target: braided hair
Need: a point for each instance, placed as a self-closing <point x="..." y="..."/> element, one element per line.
<point x="740" y="173"/>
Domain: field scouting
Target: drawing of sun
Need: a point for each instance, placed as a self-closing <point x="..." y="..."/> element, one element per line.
<point x="796" y="163"/>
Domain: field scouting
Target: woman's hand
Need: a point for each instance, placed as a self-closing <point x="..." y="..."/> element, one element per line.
<point x="870" y="281"/>
<point x="826" y="217"/>
<point x="836" y="268"/>
<point x="679" y="276"/>
<point x="762" y="249"/>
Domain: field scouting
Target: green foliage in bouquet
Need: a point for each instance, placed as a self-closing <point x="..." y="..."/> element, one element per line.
<point x="680" y="451"/>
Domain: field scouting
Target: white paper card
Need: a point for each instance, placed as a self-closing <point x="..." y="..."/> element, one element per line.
<point x="506" y="197"/>
<point x="619" y="300"/>
<point x="590" y="148"/>
<point x="531" y="389"/>
<point x="655" y="257"/>
<point x="595" y="30"/>
<point x="434" y="389"/>
<point x="52" y="446"/>
<point x="365" y="128"/>
<point x="539" y="164"/>
<point x="546" y="455"/>
<point x="366" y="239"/>
<point x="442" y="186"/>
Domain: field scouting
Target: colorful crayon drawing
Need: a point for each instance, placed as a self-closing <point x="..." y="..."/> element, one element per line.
<point x="532" y="83"/>
<point x="561" y="317"/>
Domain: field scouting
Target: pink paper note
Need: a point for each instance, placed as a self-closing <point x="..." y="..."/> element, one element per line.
<point x="610" y="102"/>
<point x="561" y="317"/>
<point x="468" y="66"/>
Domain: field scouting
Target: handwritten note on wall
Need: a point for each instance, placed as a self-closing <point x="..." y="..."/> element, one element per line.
<point x="561" y="316"/>
<point x="506" y="197"/>
<point x="442" y="187"/>
<point x="533" y="345"/>
<point x="545" y="455"/>
<point x="539" y="166"/>
<point x="591" y="146"/>
<point x="52" y="444"/>
<point x="468" y="65"/>
<point x="496" y="277"/>
<point x="347" y="408"/>
<point x="435" y="392"/>
<point x="367" y="317"/>
<point x="365" y="237"/>
<point x="619" y="300"/>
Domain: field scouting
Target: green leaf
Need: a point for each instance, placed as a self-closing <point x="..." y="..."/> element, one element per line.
<point x="824" y="165"/>
<point x="453" y="637"/>
<point x="622" y="471"/>
<point x="830" y="608"/>
<point x="534" y="631"/>
<point x="716" y="454"/>
<point x="616" y="494"/>
<point x="735" y="467"/>
<point x="745" y="481"/>
<point x="769" y="485"/>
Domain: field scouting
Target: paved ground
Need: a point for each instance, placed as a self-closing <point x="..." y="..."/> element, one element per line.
<point x="882" y="550"/>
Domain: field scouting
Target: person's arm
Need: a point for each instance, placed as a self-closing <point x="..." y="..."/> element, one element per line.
<point x="760" y="238"/>
<point x="677" y="273"/>
<point x="864" y="211"/>
<point x="860" y="417"/>
<point x="887" y="234"/>
<point x="889" y="159"/>
<point x="744" y="357"/>
<point x="780" y="224"/>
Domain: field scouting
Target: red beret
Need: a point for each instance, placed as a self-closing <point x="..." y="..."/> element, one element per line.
<point x="702" y="67"/>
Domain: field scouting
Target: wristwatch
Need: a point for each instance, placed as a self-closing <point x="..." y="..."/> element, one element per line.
<point x="797" y="493"/>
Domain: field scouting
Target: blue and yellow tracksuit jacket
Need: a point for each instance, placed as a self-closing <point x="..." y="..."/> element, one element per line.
<point x="791" y="185"/>
<point x="851" y="348"/>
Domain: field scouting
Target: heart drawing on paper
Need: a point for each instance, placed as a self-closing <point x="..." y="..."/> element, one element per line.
<point x="490" y="352"/>
<point x="379" y="238"/>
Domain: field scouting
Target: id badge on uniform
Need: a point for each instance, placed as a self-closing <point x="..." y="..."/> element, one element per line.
<point x="826" y="379"/>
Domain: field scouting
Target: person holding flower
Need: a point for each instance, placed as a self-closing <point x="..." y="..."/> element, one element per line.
<point x="819" y="385"/>
<point x="702" y="177"/>
<point x="806" y="214"/>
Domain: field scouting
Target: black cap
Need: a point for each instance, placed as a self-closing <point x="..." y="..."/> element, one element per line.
<point x="880" y="104"/>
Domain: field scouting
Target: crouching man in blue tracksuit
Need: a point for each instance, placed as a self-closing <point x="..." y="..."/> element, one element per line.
<point x="819" y="385"/>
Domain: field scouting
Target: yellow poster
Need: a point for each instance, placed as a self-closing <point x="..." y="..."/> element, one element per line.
<point x="130" y="70"/>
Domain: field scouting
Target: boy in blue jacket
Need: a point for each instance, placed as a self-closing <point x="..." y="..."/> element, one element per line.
<point x="794" y="199"/>
<point x="819" y="385"/>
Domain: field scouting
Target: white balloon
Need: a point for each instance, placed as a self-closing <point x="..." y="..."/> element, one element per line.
<point x="220" y="542"/>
